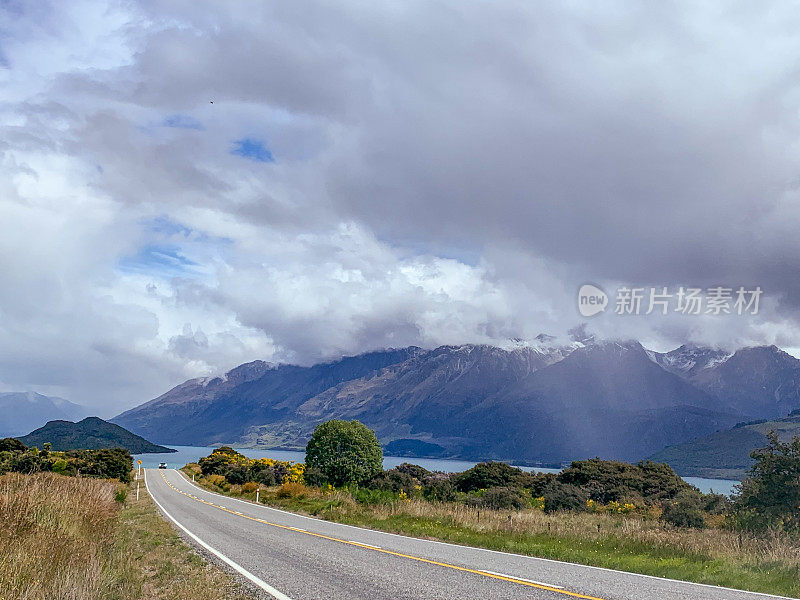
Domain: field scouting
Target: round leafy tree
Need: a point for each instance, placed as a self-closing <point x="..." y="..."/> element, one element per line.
<point x="344" y="452"/>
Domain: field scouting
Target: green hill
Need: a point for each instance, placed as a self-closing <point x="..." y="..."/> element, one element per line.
<point x="91" y="433"/>
<point x="726" y="454"/>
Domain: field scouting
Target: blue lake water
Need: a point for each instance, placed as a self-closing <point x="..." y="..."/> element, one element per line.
<point x="187" y="454"/>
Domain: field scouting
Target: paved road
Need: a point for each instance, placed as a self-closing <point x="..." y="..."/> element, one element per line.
<point x="293" y="557"/>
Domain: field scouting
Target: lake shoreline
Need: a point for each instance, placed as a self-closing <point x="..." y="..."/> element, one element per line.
<point x="187" y="454"/>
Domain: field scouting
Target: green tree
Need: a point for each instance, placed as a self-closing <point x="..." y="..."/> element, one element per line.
<point x="770" y="495"/>
<point x="344" y="452"/>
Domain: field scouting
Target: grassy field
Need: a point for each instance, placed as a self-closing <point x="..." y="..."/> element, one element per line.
<point x="638" y="544"/>
<point x="67" y="538"/>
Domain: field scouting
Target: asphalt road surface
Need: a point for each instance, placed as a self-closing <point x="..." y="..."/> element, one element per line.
<point x="292" y="557"/>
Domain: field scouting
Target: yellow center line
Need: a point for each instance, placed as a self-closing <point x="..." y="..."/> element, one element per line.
<point x="384" y="551"/>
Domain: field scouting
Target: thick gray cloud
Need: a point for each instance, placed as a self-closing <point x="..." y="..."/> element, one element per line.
<point x="188" y="186"/>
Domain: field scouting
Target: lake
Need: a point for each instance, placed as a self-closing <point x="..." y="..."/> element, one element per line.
<point x="187" y="454"/>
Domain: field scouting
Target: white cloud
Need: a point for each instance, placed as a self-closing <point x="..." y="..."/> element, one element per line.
<point x="443" y="174"/>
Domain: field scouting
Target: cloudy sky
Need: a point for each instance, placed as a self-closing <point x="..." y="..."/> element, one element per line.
<point x="187" y="186"/>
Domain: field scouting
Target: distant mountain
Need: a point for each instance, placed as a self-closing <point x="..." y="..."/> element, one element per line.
<point x="91" y="433"/>
<point x="20" y="412"/>
<point x="607" y="399"/>
<point x="230" y="409"/>
<point x="539" y="402"/>
<point x="726" y="454"/>
<point x="427" y="397"/>
<point x="761" y="382"/>
<point x="689" y="360"/>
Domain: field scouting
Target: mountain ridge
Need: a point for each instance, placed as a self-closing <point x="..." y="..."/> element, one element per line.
<point x="539" y="402"/>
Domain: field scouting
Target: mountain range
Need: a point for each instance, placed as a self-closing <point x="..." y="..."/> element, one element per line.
<point x="21" y="412"/>
<point x="538" y="403"/>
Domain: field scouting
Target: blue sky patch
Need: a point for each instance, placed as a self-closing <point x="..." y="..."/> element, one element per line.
<point x="252" y="149"/>
<point x="183" y="122"/>
<point x="158" y="259"/>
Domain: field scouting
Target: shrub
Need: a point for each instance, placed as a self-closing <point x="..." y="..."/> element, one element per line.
<point x="487" y="475"/>
<point x="563" y="496"/>
<point x="121" y="495"/>
<point x="344" y="452"/>
<point x="614" y="481"/>
<point x="237" y="474"/>
<point x="293" y="489"/>
<point x="294" y="473"/>
<point x="217" y="480"/>
<point x="440" y="487"/>
<point x="503" y="498"/>
<point x="682" y="512"/>
<point x="249" y="487"/>
<point x="415" y="471"/>
<point x="394" y="481"/>
<point x="59" y="466"/>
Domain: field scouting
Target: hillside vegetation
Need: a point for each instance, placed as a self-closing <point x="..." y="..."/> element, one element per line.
<point x="726" y="454"/>
<point x="92" y="433"/>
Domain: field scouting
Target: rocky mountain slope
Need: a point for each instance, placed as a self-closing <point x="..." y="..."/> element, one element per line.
<point x="539" y="402"/>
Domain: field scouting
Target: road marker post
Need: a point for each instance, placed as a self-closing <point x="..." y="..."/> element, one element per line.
<point x="257" y="491"/>
<point x="137" y="491"/>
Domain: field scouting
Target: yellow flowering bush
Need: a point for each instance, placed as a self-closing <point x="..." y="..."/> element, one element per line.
<point x="295" y="473"/>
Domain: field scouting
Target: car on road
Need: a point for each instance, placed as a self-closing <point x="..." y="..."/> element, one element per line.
<point x="162" y="465"/>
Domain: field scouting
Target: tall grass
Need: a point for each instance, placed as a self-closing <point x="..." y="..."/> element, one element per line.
<point x="68" y="538"/>
<point x="55" y="534"/>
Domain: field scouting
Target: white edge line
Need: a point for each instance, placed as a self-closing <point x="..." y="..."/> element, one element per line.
<point x="368" y="545"/>
<point x="522" y="579"/>
<point x="461" y="546"/>
<point x="236" y="567"/>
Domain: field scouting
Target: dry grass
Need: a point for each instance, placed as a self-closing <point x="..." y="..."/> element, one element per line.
<point x="712" y="542"/>
<point x="65" y="538"/>
<point x="55" y="535"/>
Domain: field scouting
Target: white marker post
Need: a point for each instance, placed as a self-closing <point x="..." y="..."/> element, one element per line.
<point x="257" y="491"/>
<point x="137" y="491"/>
<point x="192" y="476"/>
